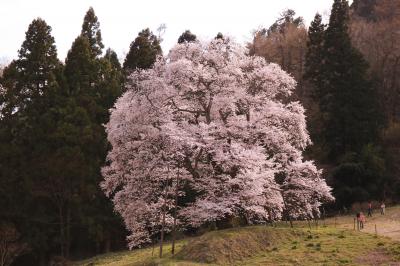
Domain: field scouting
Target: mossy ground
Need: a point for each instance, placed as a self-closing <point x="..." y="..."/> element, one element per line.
<point x="266" y="245"/>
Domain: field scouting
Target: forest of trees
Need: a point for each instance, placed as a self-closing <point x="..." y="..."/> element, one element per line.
<point x="54" y="145"/>
<point x="347" y="80"/>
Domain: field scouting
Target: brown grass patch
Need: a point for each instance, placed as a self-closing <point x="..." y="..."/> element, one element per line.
<point x="229" y="246"/>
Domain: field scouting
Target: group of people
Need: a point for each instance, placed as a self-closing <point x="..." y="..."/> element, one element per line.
<point x="361" y="217"/>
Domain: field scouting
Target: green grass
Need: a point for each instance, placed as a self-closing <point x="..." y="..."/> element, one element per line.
<point x="262" y="245"/>
<point x="328" y="246"/>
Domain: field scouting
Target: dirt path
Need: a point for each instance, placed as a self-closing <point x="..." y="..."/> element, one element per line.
<point x="386" y="225"/>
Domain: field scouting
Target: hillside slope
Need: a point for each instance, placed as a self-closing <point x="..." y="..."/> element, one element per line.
<point x="264" y="245"/>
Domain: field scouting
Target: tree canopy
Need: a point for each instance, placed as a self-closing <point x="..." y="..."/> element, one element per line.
<point x="143" y="51"/>
<point x="213" y="115"/>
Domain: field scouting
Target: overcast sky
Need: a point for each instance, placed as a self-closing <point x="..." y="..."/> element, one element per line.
<point x="120" y="21"/>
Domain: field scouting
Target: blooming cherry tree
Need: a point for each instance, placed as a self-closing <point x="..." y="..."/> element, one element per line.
<point x="223" y="121"/>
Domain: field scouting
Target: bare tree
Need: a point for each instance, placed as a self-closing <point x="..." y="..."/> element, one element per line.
<point x="379" y="41"/>
<point x="11" y="245"/>
<point x="284" y="43"/>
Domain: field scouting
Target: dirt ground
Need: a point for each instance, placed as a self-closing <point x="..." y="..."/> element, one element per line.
<point x="386" y="225"/>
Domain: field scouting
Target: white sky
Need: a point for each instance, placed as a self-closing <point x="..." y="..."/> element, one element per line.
<point x="120" y="21"/>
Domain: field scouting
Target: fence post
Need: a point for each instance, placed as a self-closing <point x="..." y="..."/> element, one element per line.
<point x="335" y="221"/>
<point x="376" y="231"/>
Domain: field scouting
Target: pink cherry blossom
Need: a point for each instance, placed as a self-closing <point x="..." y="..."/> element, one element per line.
<point x="212" y="119"/>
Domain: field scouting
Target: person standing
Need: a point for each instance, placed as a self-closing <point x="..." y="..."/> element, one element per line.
<point x="358" y="217"/>
<point x="370" y="209"/>
<point x="383" y="207"/>
<point x="362" y="220"/>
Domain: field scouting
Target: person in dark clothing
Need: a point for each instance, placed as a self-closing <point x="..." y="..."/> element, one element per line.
<point x="370" y="209"/>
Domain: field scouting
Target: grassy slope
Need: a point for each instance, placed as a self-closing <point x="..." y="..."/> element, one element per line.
<point x="262" y="245"/>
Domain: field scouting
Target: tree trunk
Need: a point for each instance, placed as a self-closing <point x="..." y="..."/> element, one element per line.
<point x="3" y="252"/>
<point x="68" y="232"/>
<point x="62" y="232"/>
<point x="107" y="247"/>
<point x="162" y="231"/>
<point x="98" y="247"/>
<point x="173" y="237"/>
<point x="175" y="211"/>
<point x="43" y="260"/>
<point x="300" y="79"/>
<point x="208" y="117"/>
<point x="152" y="250"/>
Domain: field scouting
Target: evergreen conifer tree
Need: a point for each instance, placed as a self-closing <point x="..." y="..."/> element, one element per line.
<point x="110" y="85"/>
<point x="313" y="82"/>
<point x="91" y="29"/>
<point x="112" y="57"/>
<point x="94" y="83"/>
<point x="52" y="143"/>
<point x="187" y="36"/>
<point x="219" y="36"/>
<point x="79" y="66"/>
<point x="32" y="83"/>
<point x="315" y="52"/>
<point x="37" y="62"/>
<point x="143" y="51"/>
<point x="349" y="119"/>
<point x="348" y="97"/>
